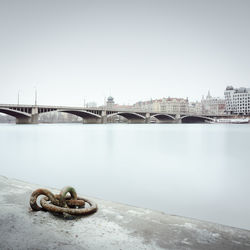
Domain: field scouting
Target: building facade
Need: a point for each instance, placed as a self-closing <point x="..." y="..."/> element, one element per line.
<point x="150" y="105"/>
<point x="195" y="108"/>
<point x="168" y="105"/>
<point x="237" y="100"/>
<point x="213" y="105"/>
<point x="174" y="105"/>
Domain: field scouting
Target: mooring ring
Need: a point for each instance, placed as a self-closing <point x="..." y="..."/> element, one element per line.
<point x="71" y="203"/>
<point x="62" y="195"/>
<point x="73" y="211"/>
<point x="38" y="192"/>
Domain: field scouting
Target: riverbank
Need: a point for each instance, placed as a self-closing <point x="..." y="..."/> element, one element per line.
<point x="114" y="226"/>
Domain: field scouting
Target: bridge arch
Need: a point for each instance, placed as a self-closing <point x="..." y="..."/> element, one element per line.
<point x="82" y="113"/>
<point x="128" y="115"/>
<point x="15" y="113"/>
<point x="163" y="117"/>
<point x="195" y="119"/>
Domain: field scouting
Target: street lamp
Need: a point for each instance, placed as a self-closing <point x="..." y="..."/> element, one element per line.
<point x="35" y="96"/>
<point x="18" y="95"/>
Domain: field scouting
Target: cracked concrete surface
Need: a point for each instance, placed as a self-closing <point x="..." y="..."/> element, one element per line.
<point x="114" y="226"/>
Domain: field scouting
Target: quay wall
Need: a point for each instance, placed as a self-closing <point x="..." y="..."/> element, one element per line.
<point x="113" y="226"/>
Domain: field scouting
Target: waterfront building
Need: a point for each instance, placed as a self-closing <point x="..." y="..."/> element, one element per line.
<point x="213" y="105"/>
<point x="174" y="105"/>
<point x="145" y="105"/>
<point x="168" y="105"/>
<point x="156" y="106"/>
<point x="237" y="100"/>
<point x="208" y="105"/>
<point x="195" y="108"/>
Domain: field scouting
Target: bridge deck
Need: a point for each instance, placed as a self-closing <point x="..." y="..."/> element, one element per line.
<point x="107" y="109"/>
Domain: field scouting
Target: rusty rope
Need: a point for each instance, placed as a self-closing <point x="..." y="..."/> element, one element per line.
<point x="62" y="203"/>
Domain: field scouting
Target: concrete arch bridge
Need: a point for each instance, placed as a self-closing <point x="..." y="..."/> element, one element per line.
<point x="28" y="114"/>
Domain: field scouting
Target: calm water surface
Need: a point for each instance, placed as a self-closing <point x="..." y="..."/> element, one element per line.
<point x="195" y="170"/>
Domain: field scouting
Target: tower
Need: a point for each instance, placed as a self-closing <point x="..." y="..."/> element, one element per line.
<point x="110" y="102"/>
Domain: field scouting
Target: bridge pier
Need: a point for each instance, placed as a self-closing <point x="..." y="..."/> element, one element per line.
<point x="33" y="119"/>
<point x="104" y="117"/>
<point x="92" y="121"/>
<point x="136" y="121"/>
<point x="167" y="121"/>
<point x="27" y="120"/>
<point x="147" y="120"/>
<point x="178" y="118"/>
<point x="177" y="121"/>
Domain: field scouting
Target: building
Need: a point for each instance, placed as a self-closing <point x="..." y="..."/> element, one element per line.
<point x="195" y="108"/>
<point x="174" y="105"/>
<point x="110" y="102"/>
<point x="237" y="100"/>
<point x="145" y="105"/>
<point x="168" y="105"/>
<point x="213" y="105"/>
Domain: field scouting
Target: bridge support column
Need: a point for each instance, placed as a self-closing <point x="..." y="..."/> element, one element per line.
<point x="92" y="121"/>
<point x="178" y="118"/>
<point x="147" y="120"/>
<point x="136" y="121"/>
<point x="104" y="117"/>
<point x="167" y="121"/>
<point x="29" y="120"/>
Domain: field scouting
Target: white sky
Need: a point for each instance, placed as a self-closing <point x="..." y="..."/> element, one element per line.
<point x="134" y="50"/>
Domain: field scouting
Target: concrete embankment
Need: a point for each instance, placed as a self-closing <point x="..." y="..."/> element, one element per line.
<point x="113" y="226"/>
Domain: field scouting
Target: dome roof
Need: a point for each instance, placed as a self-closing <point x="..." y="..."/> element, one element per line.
<point x="110" y="99"/>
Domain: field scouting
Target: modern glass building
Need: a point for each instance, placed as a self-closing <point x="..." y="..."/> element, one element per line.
<point x="237" y="100"/>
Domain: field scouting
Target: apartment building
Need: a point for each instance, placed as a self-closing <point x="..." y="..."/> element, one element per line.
<point x="237" y="100"/>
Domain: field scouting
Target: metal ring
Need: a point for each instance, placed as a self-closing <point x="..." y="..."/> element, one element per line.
<point x="73" y="211"/>
<point x="63" y="193"/>
<point x="38" y="192"/>
<point x="71" y="203"/>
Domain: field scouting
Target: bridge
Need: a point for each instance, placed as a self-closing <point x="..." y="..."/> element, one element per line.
<point x="28" y="114"/>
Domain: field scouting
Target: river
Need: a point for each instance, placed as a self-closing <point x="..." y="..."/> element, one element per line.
<point x="194" y="170"/>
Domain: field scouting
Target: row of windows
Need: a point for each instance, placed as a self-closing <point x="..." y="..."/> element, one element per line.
<point x="237" y="100"/>
<point x="241" y="98"/>
<point x="237" y="95"/>
<point x="237" y="108"/>
<point x="238" y="104"/>
<point x="234" y="108"/>
<point x="241" y="102"/>
<point x="233" y="93"/>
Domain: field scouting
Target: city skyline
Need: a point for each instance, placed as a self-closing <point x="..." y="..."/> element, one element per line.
<point x="132" y="50"/>
<point x="86" y="102"/>
<point x="95" y="103"/>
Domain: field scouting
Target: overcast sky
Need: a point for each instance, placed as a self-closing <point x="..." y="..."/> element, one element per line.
<point x="133" y="50"/>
